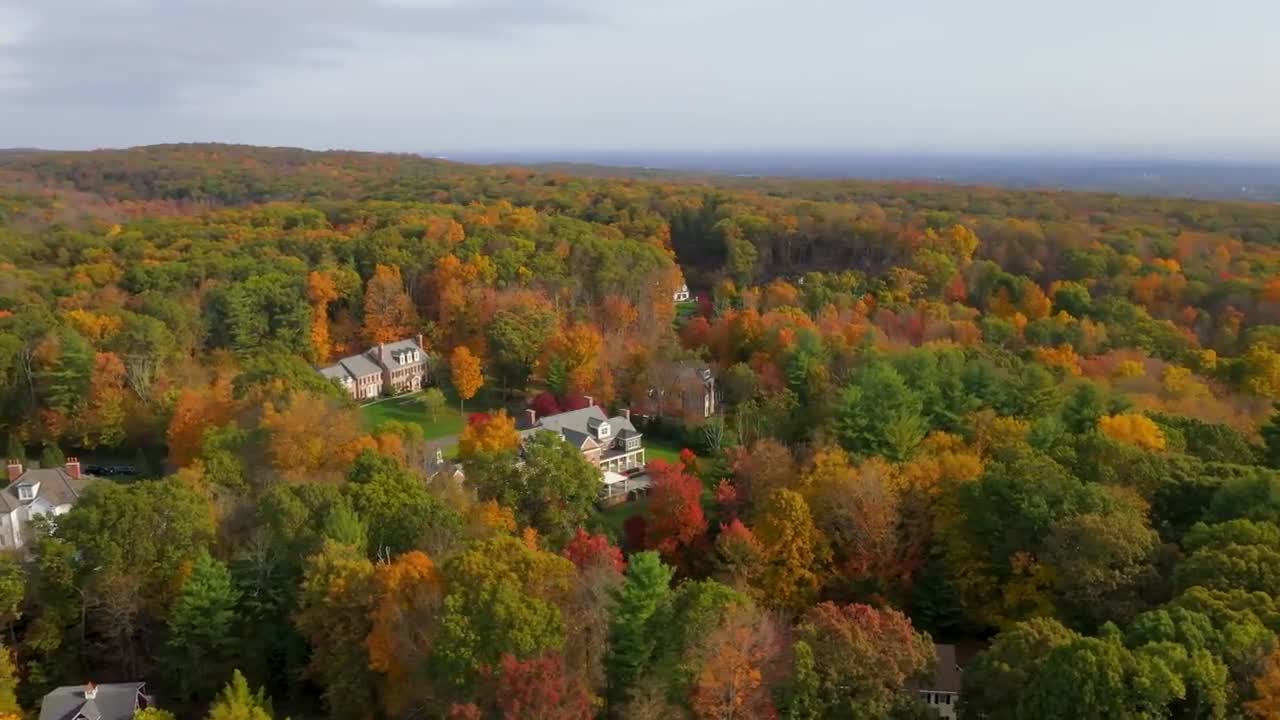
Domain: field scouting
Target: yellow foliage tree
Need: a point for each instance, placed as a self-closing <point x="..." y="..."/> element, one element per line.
<point x="1061" y="356"/>
<point x="466" y="373"/>
<point x="495" y="433"/>
<point x="1262" y="371"/>
<point x="388" y="313"/>
<point x="1134" y="429"/>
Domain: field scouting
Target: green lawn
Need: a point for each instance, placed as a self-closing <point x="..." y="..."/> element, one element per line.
<point x="409" y="409"/>
<point x="661" y="450"/>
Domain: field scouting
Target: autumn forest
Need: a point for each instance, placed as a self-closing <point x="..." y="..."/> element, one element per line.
<point x="1042" y="427"/>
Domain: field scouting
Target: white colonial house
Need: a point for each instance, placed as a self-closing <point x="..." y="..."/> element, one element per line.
<point x="33" y="492"/>
<point x="681" y="295"/>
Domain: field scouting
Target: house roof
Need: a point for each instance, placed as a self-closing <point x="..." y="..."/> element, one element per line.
<point x="391" y="352"/>
<point x="946" y="673"/>
<point x="579" y="425"/>
<point x="335" y="372"/>
<point x="112" y="701"/>
<point x="360" y="366"/>
<point x="56" y="487"/>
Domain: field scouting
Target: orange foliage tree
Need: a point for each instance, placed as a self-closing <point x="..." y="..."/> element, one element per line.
<point x="488" y="433"/>
<point x="388" y="313"/>
<point x="321" y="290"/>
<point x="407" y="594"/>
<point x="466" y="373"/>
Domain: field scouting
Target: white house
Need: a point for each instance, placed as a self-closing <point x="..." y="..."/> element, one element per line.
<point x="681" y="295"/>
<point x="33" y="492"/>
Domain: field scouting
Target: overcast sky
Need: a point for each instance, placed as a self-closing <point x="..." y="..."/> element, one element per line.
<point x="1190" y="78"/>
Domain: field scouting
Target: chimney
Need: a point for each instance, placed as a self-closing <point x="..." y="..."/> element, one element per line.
<point x="73" y="468"/>
<point x="532" y="416"/>
<point x="626" y="413"/>
<point x="590" y="400"/>
<point x="15" y="470"/>
<point x="420" y="345"/>
<point x="90" y="690"/>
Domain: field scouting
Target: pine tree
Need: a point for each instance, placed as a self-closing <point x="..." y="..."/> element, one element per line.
<point x="1271" y="440"/>
<point x="51" y="456"/>
<point x="633" y="633"/>
<point x="238" y="702"/>
<point x="201" y="625"/>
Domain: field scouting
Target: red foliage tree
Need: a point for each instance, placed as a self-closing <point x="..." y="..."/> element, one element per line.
<point x="545" y="404"/>
<point x="538" y="689"/>
<point x="586" y="550"/>
<point x="727" y="500"/>
<point x="677" y="521"/>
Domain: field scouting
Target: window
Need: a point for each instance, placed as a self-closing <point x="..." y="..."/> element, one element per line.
<point x="26" y="492"/>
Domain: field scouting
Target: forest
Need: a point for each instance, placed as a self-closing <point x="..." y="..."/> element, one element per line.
<point x="1041" y="426"/>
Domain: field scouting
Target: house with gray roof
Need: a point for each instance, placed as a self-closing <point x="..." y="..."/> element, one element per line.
<point x="395" y="367"/>
<point x="33" y="492"/>
<point x="611" y="443"/>
<point x="942" y="691"/>
<point x="109" y="701"/>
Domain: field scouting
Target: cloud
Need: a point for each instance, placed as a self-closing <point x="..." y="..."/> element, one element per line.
<point x="149" y="53"/>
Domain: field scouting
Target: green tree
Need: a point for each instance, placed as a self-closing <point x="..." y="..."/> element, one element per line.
<point x="556" y="488"/>
<point x="15" y="449"/>
<point x="800" y="698"/>
<point x="504" y="597"/>
<point x="878" y="414"/>
<point x="1271" y="439"/>
<point x="641" y="604"/>
<point x="8" y="684"/>
<point x="336" y="599"/>
<point x="995" y="681"/>
<point x="1098" y="678"/>
<point x="398" y="509"/>
<point x="516" y="339"/>
<point x="202" y="626"/>
<point x="433" y="402"/>
<point x="238" y="702"/>
<point x="1100" y="562"/>
<point x="51" y="456"/>
<point x="153" y="713"/>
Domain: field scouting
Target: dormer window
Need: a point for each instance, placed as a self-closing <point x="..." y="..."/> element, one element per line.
<point x="26" y="492"/>
<point x="603" y="430"/>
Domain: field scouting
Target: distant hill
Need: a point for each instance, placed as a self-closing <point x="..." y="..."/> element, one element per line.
<point x="1206" y="180"/>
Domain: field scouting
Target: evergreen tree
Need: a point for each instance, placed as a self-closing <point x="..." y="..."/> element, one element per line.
<point x="640" y="604"/>
<point x="51" y="456"/>
<point x="238" y="702"/>
<point x="201" y="627"/>
<point x="1271" y="439"/>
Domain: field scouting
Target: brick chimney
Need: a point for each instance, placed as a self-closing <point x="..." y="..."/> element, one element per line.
<point x="531" y="415"/>
<point x="73" y="468"/>
<point x="90" y="690"/>
<point x="15" y="469"/>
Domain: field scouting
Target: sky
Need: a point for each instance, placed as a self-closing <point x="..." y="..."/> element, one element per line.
<point x="1167" y="78"/>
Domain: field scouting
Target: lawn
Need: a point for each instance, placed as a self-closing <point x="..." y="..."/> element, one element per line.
<point x="409" y="409"/>
<point x="661" y="450"/>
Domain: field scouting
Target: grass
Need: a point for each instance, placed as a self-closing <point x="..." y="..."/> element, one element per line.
<point x="661" y="450"/>
<point x="409" y="409"/>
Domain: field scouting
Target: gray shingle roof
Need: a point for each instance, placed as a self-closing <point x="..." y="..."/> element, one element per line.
<point x="112" y="701"/>
<point x="360" y="366"/>
<point x="577" y="425"/>
<point x="335" y="372"/>
<point x="391" y="351"/>
<point x="56" y="487"/>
